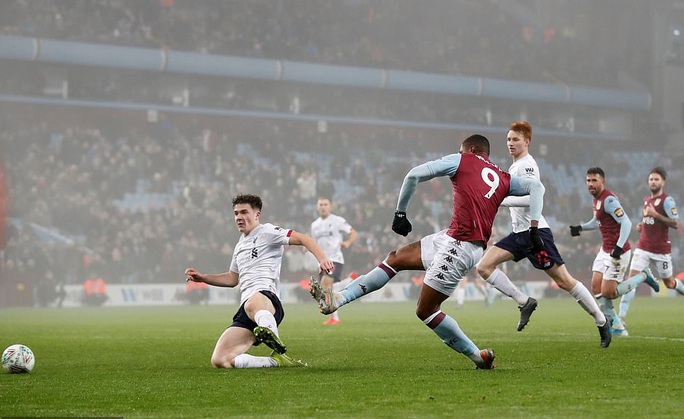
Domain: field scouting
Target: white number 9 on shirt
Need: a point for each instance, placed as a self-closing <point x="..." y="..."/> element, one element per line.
<point x="491" y="179"/>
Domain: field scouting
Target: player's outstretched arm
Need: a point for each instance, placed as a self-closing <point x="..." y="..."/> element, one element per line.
<point x="299" y="239"/>
<point x="589" y="225"/>
<point x="226" y="279"/>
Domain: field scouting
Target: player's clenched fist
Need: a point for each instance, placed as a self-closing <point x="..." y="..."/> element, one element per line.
<point x="401" y="224"/>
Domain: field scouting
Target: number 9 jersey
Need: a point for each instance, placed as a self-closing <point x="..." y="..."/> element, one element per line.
<point x="479" y="188"/>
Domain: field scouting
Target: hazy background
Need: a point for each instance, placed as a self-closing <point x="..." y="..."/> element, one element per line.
<point x="122" y="166"/>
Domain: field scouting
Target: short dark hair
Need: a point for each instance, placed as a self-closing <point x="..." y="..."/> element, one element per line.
<point x="253" y="200"/>
<point x="660" y="170"/>
<point x="596" y="171"/>
<point x="480" y="142"/>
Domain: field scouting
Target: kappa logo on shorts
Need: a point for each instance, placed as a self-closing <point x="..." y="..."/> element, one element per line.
<point x="440" y="276"/>
<point x="444" y="268"/>
<point x="449" y="259"/>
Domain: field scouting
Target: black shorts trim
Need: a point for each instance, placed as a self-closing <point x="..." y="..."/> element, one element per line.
<point x="337" y="272"/>
<point x="241" y="319"/>
<point x="519" y="245"/>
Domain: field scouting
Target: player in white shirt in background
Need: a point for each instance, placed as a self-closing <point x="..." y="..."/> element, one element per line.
<point x="516" y="245"/>
<point x="329" y="231"/>
<point x="255" y="267"/>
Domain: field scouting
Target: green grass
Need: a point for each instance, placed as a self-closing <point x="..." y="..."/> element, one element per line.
<point x="380" y="362"/>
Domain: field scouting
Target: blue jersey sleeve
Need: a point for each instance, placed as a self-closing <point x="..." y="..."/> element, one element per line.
<point x="446" y="166"/>
<point x="612" y="206"/>
<point x="670" y="208"/>
<point x="521" y="186"/>
<point x="590" y="225"/>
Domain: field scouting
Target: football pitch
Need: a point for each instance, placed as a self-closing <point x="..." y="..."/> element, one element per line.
<point x="381" y="361"/>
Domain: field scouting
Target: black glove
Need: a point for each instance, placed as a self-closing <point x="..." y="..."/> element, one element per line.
<point x="401" y="224"/>
<point x="617" y="252"/>
<point x="575" y="230"/>
<point x="537" y="242"/>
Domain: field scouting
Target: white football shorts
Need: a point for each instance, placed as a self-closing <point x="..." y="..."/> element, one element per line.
<point x="662" y="262"/>
<point x="451" y="264"/>
<point x="606" y="265"/>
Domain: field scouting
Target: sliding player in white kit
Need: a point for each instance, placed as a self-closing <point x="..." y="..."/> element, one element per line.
<point x="516" y="246"/>
<point x="255" y="266"/>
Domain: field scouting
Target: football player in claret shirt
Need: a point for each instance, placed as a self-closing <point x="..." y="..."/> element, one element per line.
<point x="479" y="186"/>
<point x="610" y="264"/>
<point x="659" y="216"/>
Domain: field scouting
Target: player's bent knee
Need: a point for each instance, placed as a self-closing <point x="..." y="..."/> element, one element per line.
<point x="392" y="258"/>
<point x="610" y="295"/>
<point x="485" y="271"/>
<point x="224" y="361"/>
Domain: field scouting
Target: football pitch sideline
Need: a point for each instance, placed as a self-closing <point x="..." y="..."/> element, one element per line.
<point x="381" y="361"/>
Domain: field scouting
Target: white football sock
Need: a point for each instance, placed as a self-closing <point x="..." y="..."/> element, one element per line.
<point x="251" y="361"/>
<point x="264" y="318"/>
<point x="502" y="283"/>
<point x="460" y="295"/>
<point x="588" y="303"/>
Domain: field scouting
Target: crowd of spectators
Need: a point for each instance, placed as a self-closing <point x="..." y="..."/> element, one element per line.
<point x="88" y="184"/>
<point x="554" y="41"/>
<point x="134" y="203"/>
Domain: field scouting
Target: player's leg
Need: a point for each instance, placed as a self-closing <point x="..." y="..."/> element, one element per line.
<point x="640" y="261"/>
<point x="266" y="311"/>
<point x="487" y="269"/>
<point x="664" y="270"/>
<point x="334" y="287"/>
<point x="231" y="350"/>
<point x="505" y="250"/>
<point x="459" y="292"/>
<point x="440" y="281"/>
<point x="626" y="299"/>
<point x="613" y="272"/>
<point x="597" y="278"/>
<point x="405" y="258"/>
<point x="625" y="286"/>
<point x="327" y="282"/>
<point x="560" y="275"/>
